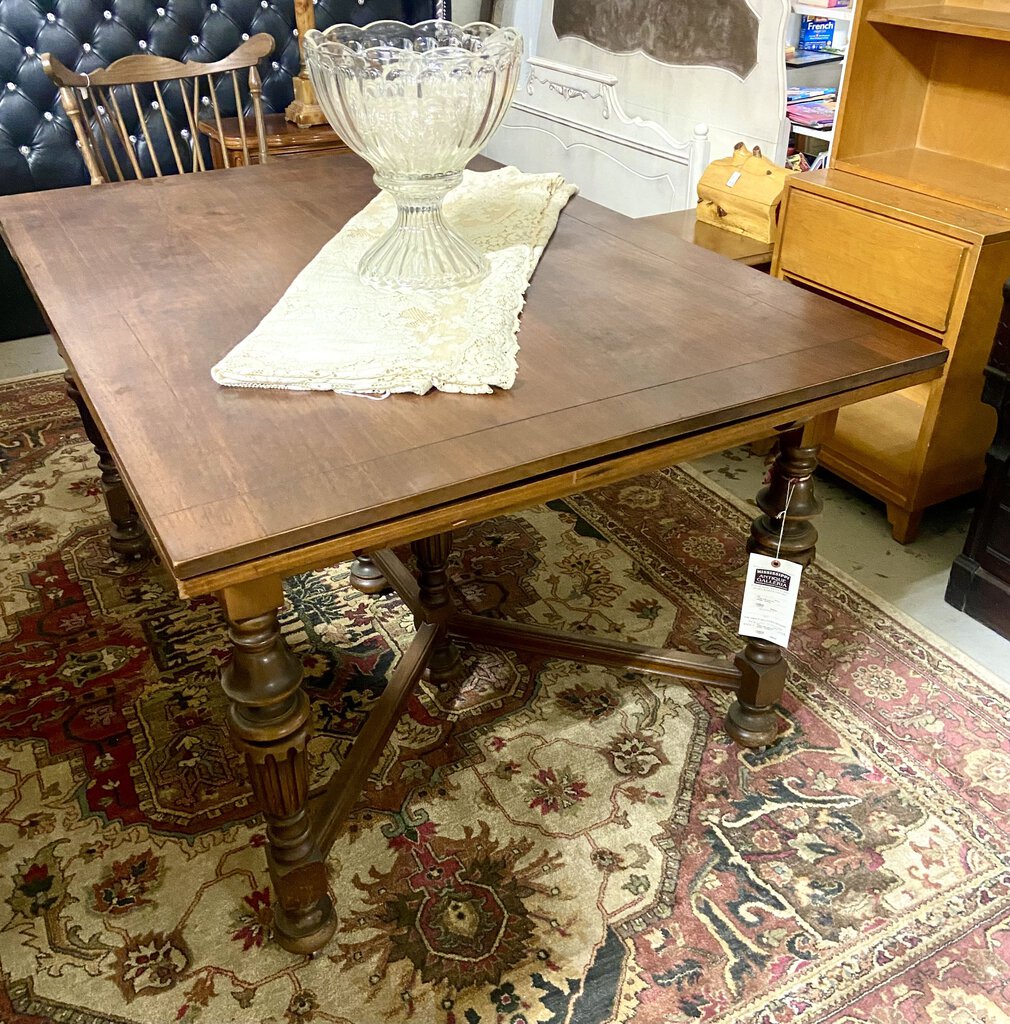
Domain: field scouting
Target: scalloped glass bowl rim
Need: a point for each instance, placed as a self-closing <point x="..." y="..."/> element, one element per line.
<point x="510" y="41"/>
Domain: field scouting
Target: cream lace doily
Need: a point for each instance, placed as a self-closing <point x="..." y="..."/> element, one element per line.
<point x="331" y="332"/>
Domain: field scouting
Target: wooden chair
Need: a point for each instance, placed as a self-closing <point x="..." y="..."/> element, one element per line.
<point x="139" y="117"/>
<point x="135" y="119"/>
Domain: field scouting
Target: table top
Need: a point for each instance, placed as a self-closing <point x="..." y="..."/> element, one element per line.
<point x="629" y="337"/>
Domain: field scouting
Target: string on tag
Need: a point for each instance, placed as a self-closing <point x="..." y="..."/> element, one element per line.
<point x="791" y="484"/>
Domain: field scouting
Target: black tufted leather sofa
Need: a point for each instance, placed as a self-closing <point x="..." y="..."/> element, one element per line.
<point x="37" y="144"/>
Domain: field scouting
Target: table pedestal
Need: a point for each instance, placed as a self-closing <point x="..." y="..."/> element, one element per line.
<point x="269" y="717"/>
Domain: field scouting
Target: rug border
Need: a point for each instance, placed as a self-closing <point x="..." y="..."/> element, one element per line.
<point x="56" y="374"/>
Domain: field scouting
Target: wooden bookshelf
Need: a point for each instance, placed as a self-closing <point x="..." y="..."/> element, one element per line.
<point x="911" y="221"/>
<point x="977" y="22"/>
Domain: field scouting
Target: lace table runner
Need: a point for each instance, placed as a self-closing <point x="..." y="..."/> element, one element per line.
<point x="331" y="332"/>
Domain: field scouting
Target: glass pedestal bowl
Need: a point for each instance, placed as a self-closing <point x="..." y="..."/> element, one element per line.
<point x="417" y="102"/>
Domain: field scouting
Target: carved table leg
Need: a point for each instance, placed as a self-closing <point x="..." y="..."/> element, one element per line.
<point x="127" y="536"/>
<point x="366" y="576"/>
<point x="751" y="718"/>
<point x="270" y="723"/>
<point x="445" y="664"/>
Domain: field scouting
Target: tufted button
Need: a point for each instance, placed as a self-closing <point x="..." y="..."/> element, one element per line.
<point x="161" y="12"/>
<point x="264" y="4"/>
<point x="245" y="37"/>
<point x="275" y="65"/>
<point x="50" y="17"/>
<point x="213" y="7"/>
<point x="29" y="51"/>
<point x="107" y="15"/>
<point x="154" y="105"/>
<point x="11" y="86"/>
<point x="194" y="39"/>
<point x="142" y="43"/>
<point x="24" y="150"/>
<point x="86" y="47"/>
<point x="48" y="115"/>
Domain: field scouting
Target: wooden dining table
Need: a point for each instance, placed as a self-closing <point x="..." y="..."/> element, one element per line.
<point x="638" y="351"/>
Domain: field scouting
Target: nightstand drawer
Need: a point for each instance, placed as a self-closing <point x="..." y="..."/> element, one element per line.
<point x="872" y="260"/>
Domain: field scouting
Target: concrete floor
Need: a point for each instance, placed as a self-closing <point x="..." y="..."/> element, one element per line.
<point x="854" y="535"/>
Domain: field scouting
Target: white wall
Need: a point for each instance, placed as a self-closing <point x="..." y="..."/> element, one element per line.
<point x="465" y="11"/>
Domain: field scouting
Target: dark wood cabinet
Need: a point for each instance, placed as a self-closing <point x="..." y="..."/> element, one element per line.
<point x="980" y="578"/>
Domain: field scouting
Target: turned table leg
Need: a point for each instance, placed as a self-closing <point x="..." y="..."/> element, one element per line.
<point x="751" y="718"/>
<point x="270" y="723"/>
<point x="127" y="536"/>
<point x="445" y="664"/>
<point x="366" y="576"/>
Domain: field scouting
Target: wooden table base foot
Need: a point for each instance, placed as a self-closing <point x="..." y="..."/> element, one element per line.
<point x="446" y="667"/>
<point x="309" y="932"/>
<point x="367" y="577"/>
<point x="750" y="726"/>
<point x="130" y="540"/>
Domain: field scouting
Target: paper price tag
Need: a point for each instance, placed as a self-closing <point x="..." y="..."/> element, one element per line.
<point x="733" y="179"/>
<point x="769" y="598"/>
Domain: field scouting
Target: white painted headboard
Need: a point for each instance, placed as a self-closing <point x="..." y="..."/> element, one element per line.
<point x="633" y="132"/>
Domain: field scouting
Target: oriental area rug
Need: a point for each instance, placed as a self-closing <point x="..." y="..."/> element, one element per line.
<point x="548" y="844"/>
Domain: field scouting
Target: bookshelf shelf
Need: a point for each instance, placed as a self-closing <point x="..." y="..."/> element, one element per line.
<point x="827" y="134"/>
<point x="876" y="441"/>
<point x="807" y="59"/>
<point x="977" y="22"/>
<point x="835" y="13"/>
<point x="954" y="178"/>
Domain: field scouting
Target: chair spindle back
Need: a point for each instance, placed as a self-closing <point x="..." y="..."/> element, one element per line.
<point x="115" y="110"/>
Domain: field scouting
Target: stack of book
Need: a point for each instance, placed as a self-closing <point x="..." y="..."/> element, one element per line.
<point x="811" y="108"/>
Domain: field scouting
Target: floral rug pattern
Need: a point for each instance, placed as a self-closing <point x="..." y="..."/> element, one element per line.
<point x="549" y="843"/>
